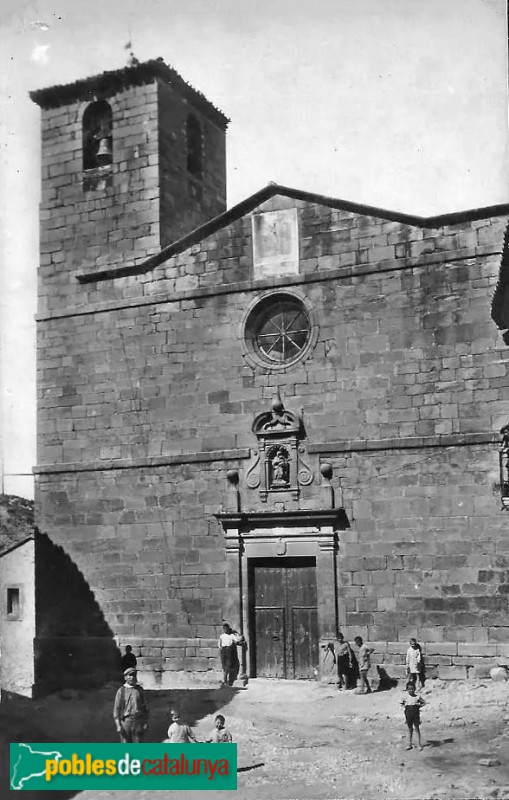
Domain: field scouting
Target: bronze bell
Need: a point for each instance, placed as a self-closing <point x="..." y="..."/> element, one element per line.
<point x="103" y="154"/>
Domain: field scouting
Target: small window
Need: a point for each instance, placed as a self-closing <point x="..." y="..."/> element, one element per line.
<point x="13" y="602"/>
<point x="97" y="135"/>
<point x="194" y="147"/>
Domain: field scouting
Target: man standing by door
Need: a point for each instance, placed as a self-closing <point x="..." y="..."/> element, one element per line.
<point x="228" y="642"/>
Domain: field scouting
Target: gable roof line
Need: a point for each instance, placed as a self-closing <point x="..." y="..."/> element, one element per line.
<point x="272" y="189"/>
<point x="14" y="546"/>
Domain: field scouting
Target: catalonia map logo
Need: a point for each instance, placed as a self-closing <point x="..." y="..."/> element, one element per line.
<point x="63" y="766"/>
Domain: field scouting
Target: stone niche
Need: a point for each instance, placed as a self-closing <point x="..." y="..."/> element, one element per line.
<point x="278" y="466"/>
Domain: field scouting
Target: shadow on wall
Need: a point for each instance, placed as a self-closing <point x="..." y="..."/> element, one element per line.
<point x="87" y="716"/>
<point x="74" y="646"/>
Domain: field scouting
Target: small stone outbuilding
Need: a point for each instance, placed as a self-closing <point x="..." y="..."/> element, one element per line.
<point x="17" y="595"/>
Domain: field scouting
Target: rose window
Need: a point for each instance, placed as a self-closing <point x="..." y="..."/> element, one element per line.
<point x="282" y="332"/>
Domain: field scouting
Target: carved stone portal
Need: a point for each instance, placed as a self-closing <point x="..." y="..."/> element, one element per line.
<point x="278" y="465"/>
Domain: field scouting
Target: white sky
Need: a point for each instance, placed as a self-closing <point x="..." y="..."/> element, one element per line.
<point x="395" y="103"/>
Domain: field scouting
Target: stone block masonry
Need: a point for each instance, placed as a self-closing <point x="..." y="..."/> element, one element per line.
<point x="441" y="555"/>
<point x="147" y="394"/>
<point x="150" y="198"/>
<point x="155" y="565"/>
<point x="394" y="364"/>
<point x="171" y="662"/>
<point x="89" y="228"/>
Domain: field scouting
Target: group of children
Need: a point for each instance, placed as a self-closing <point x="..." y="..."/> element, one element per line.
<point x="180" y="733"/>
<point x="350" y="667"/>
<point x="412" y="703"/>
<point x="131" y="711"/>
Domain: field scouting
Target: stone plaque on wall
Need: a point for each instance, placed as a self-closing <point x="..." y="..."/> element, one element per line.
<point x="275" y="243"/>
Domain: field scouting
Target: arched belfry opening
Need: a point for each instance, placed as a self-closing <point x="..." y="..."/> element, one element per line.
<point x="194" y="140"/>
<point x="97" y="135"/>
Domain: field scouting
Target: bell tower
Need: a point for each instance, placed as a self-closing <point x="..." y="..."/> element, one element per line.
<point x="132" y="160"/>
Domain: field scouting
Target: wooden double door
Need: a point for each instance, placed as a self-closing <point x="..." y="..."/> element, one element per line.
<point x="283" y="617"/>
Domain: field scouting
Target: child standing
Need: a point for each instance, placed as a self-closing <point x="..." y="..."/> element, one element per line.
<point x="220" y="734"/>
<point x="178" y="732"/>
<point x="412" y="705"/>
<point x="414" y="662"/>
<point x="344" y="660"/>
<point x="364" y="664"/>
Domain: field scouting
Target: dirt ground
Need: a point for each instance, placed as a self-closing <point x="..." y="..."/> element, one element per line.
<point x="304" y="740"/>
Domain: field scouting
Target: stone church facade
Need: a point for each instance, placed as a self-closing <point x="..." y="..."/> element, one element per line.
<point x="285" y="415"/>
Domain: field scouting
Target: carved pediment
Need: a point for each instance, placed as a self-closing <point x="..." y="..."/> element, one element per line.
<point x="276" y="421"/>
<point x="278" y="464"/>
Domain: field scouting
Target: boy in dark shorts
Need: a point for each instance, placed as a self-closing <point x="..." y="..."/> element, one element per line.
<point x="412" y="705"/>
<point x="364" y="657"/>
<point x="344" y="662"/>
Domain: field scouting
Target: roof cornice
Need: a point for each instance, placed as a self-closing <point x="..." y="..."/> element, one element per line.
<point x="110" y="83"/>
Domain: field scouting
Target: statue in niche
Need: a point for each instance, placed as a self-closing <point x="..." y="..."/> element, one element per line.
<point x="280" y="469"/>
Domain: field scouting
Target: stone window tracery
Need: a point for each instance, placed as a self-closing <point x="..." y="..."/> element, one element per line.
<point x="278" y="331"/>
<point x="283" y="331"/>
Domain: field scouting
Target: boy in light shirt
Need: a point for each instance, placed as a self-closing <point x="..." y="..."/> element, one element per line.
<point x="413" y="662"/>
<point x="179" y="732"/>
<point x="220" y="733"/>
<point x="412" y="705"/>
